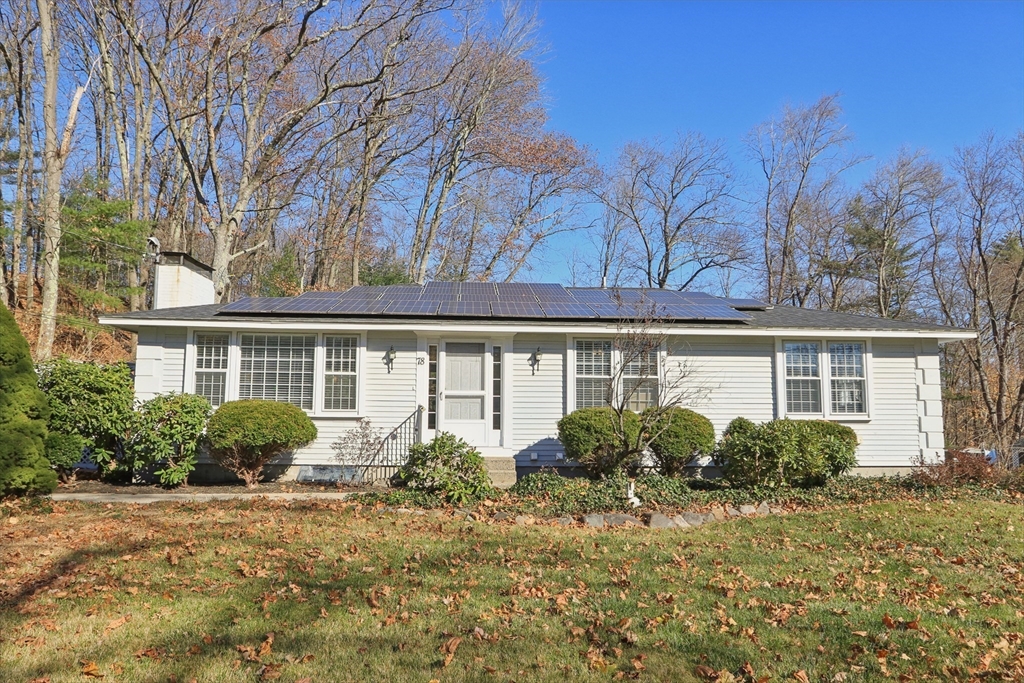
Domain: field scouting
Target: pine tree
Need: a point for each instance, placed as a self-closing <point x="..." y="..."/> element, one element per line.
<point x="23" y="412"/>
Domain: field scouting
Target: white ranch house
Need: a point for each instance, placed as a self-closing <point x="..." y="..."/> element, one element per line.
<point x="500" y="364"/>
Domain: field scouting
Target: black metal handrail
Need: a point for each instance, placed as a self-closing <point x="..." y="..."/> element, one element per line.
<point x="394" y="449"/>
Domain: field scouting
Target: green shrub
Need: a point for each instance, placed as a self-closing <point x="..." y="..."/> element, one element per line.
<point x="739" y="425"/>
<point x="95" y="402"/>
<point x="449" y="467"/>
<point x="167" y="433"/>
<point x="23" y="413"/>
<point x="785" y="452"/>
<point x="837" y="444"/>
<point x="593" y="438"/>
<point x="246" y="435"/>
<point x="678" y="436"/>
<point x="64" y="451"/>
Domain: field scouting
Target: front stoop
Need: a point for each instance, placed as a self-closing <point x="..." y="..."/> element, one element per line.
<point x="502" y="470"/>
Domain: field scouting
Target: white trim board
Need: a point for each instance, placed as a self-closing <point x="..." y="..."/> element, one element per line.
<point x="455" y="328"/>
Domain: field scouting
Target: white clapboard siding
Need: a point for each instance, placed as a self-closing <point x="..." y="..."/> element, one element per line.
<point x="538" y="398"/>
<point x="386" y="399"/>
<point x="891" y="438"/>
<point x="159" y="362"/>
<point x="728" y="377"/>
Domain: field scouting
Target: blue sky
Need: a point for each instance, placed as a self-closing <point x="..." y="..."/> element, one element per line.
<point x="923" y="74"/>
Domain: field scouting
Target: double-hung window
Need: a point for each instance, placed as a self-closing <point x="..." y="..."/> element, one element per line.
<point x="340" y="372"/>
<point x="803" y="377"/>
<point x="847" y="378"/>
<point x="211" y="367"/>
<point x="810" y="366"/>
<point x="640" y="381"/>
<point x="277" y="367"/>
<point x="593" y="373"/>
<point x="599" y="365"/>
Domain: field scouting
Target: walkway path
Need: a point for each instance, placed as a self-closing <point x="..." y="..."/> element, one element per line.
<point x="146" y="498"/>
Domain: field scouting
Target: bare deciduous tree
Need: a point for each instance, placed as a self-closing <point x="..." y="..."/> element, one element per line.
<point x="676" y="203"/>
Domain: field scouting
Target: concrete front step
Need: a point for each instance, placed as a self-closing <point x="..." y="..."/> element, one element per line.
<point x="502" y="471"/>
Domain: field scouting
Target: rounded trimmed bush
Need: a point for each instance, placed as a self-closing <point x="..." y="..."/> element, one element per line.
<point x="246" y="435"/>
<point x="679" y="436"/>
<point x="785" y="452"/>
<point x="23" y="412"/>
<point x="592" y="437"/>
<point x="837" y="444"/>
<point x="447" y="466"/>
<point x="64" y="451"/>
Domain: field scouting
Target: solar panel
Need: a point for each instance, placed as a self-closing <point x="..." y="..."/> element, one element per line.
<point x="412" y="307"/>
<point x="467" y="308"/>
<point x="309" y="304"/>
<point x="703" y="312"/>
<point x="548" y="292"/>
<point x="516" y="309"/>
<point x="478" y="289"/>
<point x="509" y="289"/>
<point x="613" y="310"/>
<point x="318" y="295"/>
<point x="504" y="296"/>
<point x="560" y="309"/>
<point x="354" y="307"/>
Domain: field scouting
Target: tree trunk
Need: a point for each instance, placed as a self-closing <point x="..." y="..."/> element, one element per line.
<point x="52" y="164"/>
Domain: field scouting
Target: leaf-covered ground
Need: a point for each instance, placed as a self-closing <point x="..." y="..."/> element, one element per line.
<point x="324" y="592"/>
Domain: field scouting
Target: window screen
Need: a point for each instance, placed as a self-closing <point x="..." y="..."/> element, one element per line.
<point x="340" y="372"/>
<point x="593" y="373"/>
<point x="847" y="377"/>
<point x="277" y="368"/>
<point x="640" y="381"/>
<point x="211" y="367"/>
<point x="803" y="378"/>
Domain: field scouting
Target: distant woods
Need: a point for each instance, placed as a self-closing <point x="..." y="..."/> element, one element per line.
<point x="317" y="145"/>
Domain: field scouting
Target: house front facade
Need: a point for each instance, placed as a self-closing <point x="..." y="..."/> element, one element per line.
<point x="499" y="364"/>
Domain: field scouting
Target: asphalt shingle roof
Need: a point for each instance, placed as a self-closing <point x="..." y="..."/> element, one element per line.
<point x="777" y="317"/>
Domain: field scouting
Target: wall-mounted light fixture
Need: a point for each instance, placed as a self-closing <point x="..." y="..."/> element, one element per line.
<point x="535" y="360"/>
<point x="390" y="356"/>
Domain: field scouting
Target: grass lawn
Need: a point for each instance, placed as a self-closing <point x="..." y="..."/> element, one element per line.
<point x="175" y="592"/>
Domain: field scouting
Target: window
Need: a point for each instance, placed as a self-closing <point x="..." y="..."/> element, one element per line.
<point x="340" y="372"/>
<point x="846" y="373"/>
<point x="640" y="381"/>
<point x="432" y="386"/>
<point x="803" y="378"/>
<point x="496" y="379"/>
<point x="211" y="367"/>
<point x="593" y="373"/>
<point x="277" y="368"/>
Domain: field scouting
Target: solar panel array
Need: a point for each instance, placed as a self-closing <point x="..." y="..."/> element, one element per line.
<point x="505" y="300"/>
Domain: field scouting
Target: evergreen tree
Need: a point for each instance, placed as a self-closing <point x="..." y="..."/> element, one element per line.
<point x="23" y="413"/>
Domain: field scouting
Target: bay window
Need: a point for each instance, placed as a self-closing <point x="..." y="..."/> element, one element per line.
<point x="277" y="367"/>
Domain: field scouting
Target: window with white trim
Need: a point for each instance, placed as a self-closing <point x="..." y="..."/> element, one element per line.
<point x="640" y="381"/>
<point x="211" y="371"/>
<point x="277" y="367"/>
<point x="848" y="383"/>
<point x="803" y="377"/>
<point x="340" y="372"/>
<point x="593" y="373"/>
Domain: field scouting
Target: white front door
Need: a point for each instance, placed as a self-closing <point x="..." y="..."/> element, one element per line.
<point x="464" y="392"/>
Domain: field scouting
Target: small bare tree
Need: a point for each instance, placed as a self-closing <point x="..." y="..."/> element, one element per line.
<point x="358" y="447"/>
<point x="640" y="384"/>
